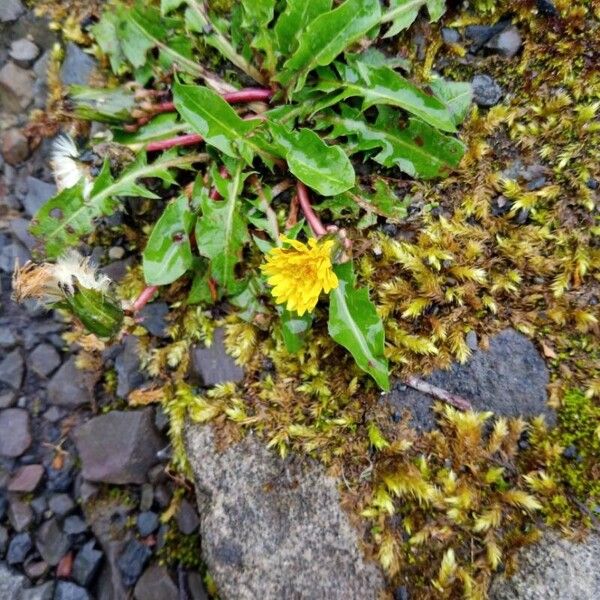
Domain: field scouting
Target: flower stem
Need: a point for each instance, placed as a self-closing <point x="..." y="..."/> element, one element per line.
<point x="307" y="209"/>
<point x="144" y="298"/>
<point x="189" y="139"/>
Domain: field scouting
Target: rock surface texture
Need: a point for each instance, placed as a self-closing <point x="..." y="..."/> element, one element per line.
<point x="273" y="528"/>
<point x="554" y="568"/>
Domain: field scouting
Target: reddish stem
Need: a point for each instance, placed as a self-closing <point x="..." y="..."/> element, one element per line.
<point x="144" y="298"/>
<point x="307" y="209"/>
<point x="190" y="139"/>
<point x="248" y="95"/>
<point x="293" y="214"/>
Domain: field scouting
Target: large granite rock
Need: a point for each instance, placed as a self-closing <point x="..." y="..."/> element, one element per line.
<point x="273" y="528"/>
<point x="554" y="568"/>
<point x="509" y="378"/>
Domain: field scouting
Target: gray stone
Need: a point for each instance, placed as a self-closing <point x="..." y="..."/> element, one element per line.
<point x="51" y="542"/>
<point x="10" y="10"/>
<point x="70" y="386"/>
<point x="118" y="447"/>
<point x="3" y="540"/>
<point x="11" y="584"/>
<point x="40" y="592"/>
<point x="18" y="549"/>
<point x="20" y="229"/>
<point x="16" y="437"/>
<point x="12" y="369"/>
<point x="74" y="525"/>
<point x="43" y="360"/>
<point x="36" y="568"/>
<point x="65" y="590"/>
<point x="553" y="568"/>
<point x="20" y="515"/>
<point x="61" y="505"/>
<point x="155" y="584"/>
<point x="127" y="365"/>
<point x="7" y="338"/>
<point x="23" y="52"/>
<point x="274" y="528"/>
<point x="196" y="587"/>
<point x="38" y="192"/>
<point x="15" y="146"/>
<point x="213" y="365"/>
<point x="147" y="523"/>
<point x="187" y="518"/>
<point x="16" y="87"/>
<point x="26" y="478"/>
<point x="507" y="42"/>
<point x="153" y="318"/>
<point x="77" y="66"/>
<point x="8" y="399"/>
<point x="450" y="36"/>
<point x="509" y="379"/>
<point x="132" y="561"/>
<point x="86" y="565"/>
<point x="486" y="92"/>
<point x="11" y="255"/>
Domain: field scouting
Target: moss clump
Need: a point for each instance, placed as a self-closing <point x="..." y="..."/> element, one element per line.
<point x="180" y="549"/>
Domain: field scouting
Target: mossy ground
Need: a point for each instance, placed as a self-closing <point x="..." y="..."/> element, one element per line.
<point x="442" y="511"/>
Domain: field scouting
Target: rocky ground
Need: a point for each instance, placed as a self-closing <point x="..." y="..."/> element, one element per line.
<point x="84" y="481"/>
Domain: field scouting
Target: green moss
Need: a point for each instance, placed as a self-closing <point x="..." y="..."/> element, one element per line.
<point x="180" y="549"/>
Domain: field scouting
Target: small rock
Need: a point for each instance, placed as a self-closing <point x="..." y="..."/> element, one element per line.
<point x="480" y="34"/>
<point x="64" y="568"/>
<point x="450" y="36"/>
<point x="507" y="42"/>
<point x="3" y="540"/>
<point x="153" y="318"/>
<point x="51" y="542"/>
<point x="77" y="66"/>
<point x="87" y="564"/>
<point x="401" y="593"/>
<point x="127" y="365"/>
<point x="15" y="146"/>
<point x="61" y="505"/>
<point x="53" y="414"/>
<point x="16" y="87"/>
<point x="20" y="515"/>
<point x="70" y="386"/>
<point x="39" y="505"/>
<point x="147" y="523"/>
<point x="40" y="592"/>
<point x="74" y="525"/>
<point x="116" y="253"/>
<point x="43" y="360"/>
<point x="486" y="92"/>
<point x="471" y="340"/>
<point x="20" y="229"/>
<point x="547" y="8"/>
<point x="18" y="549"/>
<point x="15" y="438"/>
<point x="7" y="399"/>
<point x="10" y="10"/>
<point x="7" y="338"/>
<point x="38" y="192"/>
<point x="187" y="518"/>
<point x="132" y="561"/>
<point x="11" y="255"/>
<point x="12" y="369"/>
<point x="26" y="479"/>
<point x="36" y="569"/>
<point x="213" y="365"/>
<point x="196" y="586"/>
<point x="23" y="52"/>
<point x="65" y="590"/>
<point x="155" y="584"/>
<point x="118" y="447"/>
<point x="146" y="497"/>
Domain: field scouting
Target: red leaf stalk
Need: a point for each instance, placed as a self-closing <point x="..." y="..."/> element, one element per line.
<point x="189" y="139"/>
<point x="307" y="209"/>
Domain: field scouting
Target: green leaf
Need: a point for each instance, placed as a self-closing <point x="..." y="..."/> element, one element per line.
<point x="402" y="13"/>
<point x="294" y="329"/>
<point x="200" y="291"/>
<point x="456" y="95"/>
<point x="355" y="324"/>
<point x="166" y="6"/>
<point x="324" y="168"/>
<point x="383" y="86"/>
<point x="64" y="219"/>
<point x="168" y="253"/>
<point x="418" y="150"/>
<point x="102" y="104"/>
<point x="160" y="127"/>
<point x="258" y="13"/>
<point x="293" y="20"/>
<point x="214" y="119"/>
<point x="221" y="231"/>
<point x="106" y="32"/>
<point x="327" y="36"/>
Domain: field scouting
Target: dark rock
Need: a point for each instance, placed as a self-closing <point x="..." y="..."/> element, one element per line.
<point x="59" y="480"/>
<point x="547" y="8"/>
<point x="570" y="452"/>
<point x="18" y="549"/>
<point x="508" y="379"/>
<point x="74" y="525"/>
<point x="486" y="92"/>
<point x="118" y="447"/>
<point x="146" y="497"/>
<point x="39" y="505"/>
<point x="15" y="438"/>
<point x="10" y="10"/>
<point x="450" y="36"/>
<point x="70" y="386"/>
<point x="132" y="561"/>
<point x="16" y="87"/>
<point x="592" y="183"/>
<point x="23" y="52"/>
<point x="87" y="564"/>
<point x="401" y="593"/>
<point x="3" y="540"/>
<point x="196" y="587"/>
<point x="26" y="479"/>
<point x="54" y="414"/>
<point x="20" y="229"/>
<point x="11" y="255"/>
<point x="65" y="590"/>
<point x="471" y="340"/>
<point x="7" y="338"/>
<point x="155" y="584"/>
<point x="51" y="542"/>
<point x="61" y="505"/>
<point x="274" y="528"/>
<point x="127" y="365"/>
<point x="480" y="34"/>
<point x="507" y="42"/>
<point x="187" y="518"/>
<point x="38" y="192"/>
<point x="213" y="365"/>
<point x="8" y="399"/>
<point x="43" y="360"/>
<point x="153" y="318"/>
<point x="15" y="147"/>
<point x="12" y="369"/>
<point x="77" y="66"/>
<point x="147" y="523"/>
<point x="40" y="592"/>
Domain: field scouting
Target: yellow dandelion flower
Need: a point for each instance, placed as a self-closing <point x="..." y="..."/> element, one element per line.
<point x="299" y="274"/>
